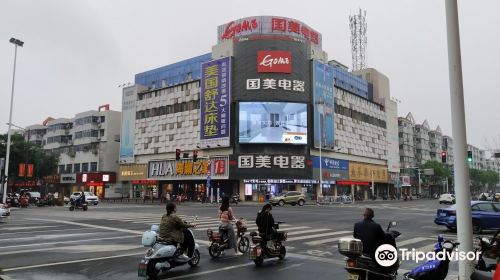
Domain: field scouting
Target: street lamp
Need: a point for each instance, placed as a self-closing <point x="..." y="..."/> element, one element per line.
<point x="16" y="43"/>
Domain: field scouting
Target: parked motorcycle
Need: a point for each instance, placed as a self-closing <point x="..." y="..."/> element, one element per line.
<point x="489" y="248"/>
<point x="260" y="250"/>
<point x="220" y="242"/>
<point x="361" y="266"/>
<point x="434" y="269"/>
<point x="13" y="201"/>
<point x="163" y="256"/>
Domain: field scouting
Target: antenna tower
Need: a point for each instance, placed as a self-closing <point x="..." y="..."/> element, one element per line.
<point x="357" y="24"/>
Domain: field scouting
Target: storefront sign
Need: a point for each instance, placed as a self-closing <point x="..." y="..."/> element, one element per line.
<point x="332" y="169"/>
<point x="68" y="178"/>
<point x="352" y="183"/>
<point x="367" y="172"/>
<point x="274" y="62"/>
<point x="280" y="181"/>
<point x="144" y="182"/>
<point x="267" y="161"/>
<point x="52" y="179"/>
<point x="94" y="184"/>
<point x="131" y="172"/>
<point x="187" y="169"/>
<point x="271" y="84"/>
<point x="268" y="25"/>
<point x="405" y="180"/>
<point x="214" y="100"/>
<point x="110" y="177"/>
<point x="323" y="94"/>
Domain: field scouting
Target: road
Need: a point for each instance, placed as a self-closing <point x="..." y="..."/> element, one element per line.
<point x="105" y="242"/>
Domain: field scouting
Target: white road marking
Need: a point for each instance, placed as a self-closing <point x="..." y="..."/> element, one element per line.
<point x="212" y="271"/>
<point x="48" y="236"/>
<point x="307" y="231"/>
<point x="291" y="266"/>
<point x="323" y="241"/>
<point x="106" y="248"/>
<point x="318" y="235"/>
<point x="18" y="228"/>
<point x="65" y="242"/>
<point x="37" y="231"/>
<point x="403" y="243"/>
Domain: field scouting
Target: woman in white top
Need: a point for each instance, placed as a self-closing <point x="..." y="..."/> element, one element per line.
<point x="226" y="217"/>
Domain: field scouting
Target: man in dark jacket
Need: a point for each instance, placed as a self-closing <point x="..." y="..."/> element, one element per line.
<point x="265" y="222"/>
<point x="371" y="234"/>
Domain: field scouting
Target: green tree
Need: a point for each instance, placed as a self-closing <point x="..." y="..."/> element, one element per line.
<point x="24" y="152"/>
<point x="441" y="171"/>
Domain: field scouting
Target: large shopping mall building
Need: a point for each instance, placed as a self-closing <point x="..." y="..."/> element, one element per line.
<point x="264" y="112"/>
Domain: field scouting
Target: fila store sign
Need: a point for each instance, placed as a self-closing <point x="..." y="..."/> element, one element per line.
<point x="274" y="62"/>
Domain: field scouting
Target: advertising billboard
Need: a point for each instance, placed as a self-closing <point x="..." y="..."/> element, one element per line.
<point x="274" y="62"/>
<point x="128" y="124"/>
<point x="273" y="122"/>
<point x="323" y="93"/>
<point x="331" y="168"/>
<point x="214" y="101"/>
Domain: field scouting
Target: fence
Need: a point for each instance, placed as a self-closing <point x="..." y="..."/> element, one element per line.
<point x="328" y="200"/>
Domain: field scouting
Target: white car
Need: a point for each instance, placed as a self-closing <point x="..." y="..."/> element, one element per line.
<point x="447" y="198"/>
<point x="90" y="198"/>
<point x="4" y="212"/>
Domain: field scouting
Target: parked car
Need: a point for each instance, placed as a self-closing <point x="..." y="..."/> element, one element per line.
<point x="292" y="198"/>
<point x="485" y="216"/>
<point x="4" y="212"/>
<point x="447" y="198"/>
<point x="90" y="197"/>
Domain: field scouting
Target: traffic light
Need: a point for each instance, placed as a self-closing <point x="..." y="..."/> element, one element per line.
<point x="443" y="157"/>
<point x="177" y="154"/>
<point x="195" y="155"/>
<point x="469" y="156"/>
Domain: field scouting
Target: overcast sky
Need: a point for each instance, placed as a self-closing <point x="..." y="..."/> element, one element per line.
<point x="76" y="53"/>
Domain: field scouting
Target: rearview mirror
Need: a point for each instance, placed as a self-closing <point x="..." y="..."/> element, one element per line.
<point x="394" y="223"/>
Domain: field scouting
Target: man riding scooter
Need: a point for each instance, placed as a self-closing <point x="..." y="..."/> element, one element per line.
<point x="172" y="229"/>
<point x="370" y="233"/>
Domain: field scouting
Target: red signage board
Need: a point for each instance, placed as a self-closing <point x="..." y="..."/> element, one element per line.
<point x="108" y="177"/>
<point x="353" y="183"/>
<point x="144" y="182"/>
<point x="274" y="62"/>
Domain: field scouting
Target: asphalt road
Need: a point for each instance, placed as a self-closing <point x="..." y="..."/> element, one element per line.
<point x="105" y="242"/>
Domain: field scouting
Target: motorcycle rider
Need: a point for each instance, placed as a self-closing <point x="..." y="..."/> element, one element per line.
<point x="172" y="229"/>
<point x="226" y="216"/>
<point x="265" y="222"/>
<point x="370" y="233"/>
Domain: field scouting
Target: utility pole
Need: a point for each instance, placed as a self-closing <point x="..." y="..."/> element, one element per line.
<point x="464" y="216"/>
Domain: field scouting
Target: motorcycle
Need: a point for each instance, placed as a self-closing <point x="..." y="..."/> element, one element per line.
<point x="260" y="251"/>
<point x="76" y="204"/>
<point x="360" y="266"/>
<point x="235" y="198"/>
<point x="488" y="247"/>
<point x="23" y="202"/>
<point x="163" y="256"/>
<point x="434" y="269"/>
<point x="220" y="242"/>
<point x="13" y="201"/>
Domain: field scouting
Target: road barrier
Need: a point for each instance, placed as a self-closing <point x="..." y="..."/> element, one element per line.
<point x="328" y="200"/>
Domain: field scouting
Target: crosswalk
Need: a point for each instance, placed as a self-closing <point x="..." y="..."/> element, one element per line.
<point x="298" y="235"/>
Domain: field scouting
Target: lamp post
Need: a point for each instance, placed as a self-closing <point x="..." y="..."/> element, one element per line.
<point x="16" y="43"/>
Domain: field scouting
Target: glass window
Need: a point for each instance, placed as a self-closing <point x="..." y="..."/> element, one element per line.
<point x="77" y="167"/>
<point x="485" y="207"/>
<point x="60" y="169"/>
<point x="85" y="167"/>
<point x="69" y="168"/>
<point x="93" y="166"/>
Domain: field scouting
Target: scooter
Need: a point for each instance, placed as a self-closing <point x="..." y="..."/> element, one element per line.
<point x="220" y="242"/>
<point x="76" y="204"/>
<point x="488" y="249"/>
<point x="434" y="269"/>
<point x="163" y="256"/>
<point x="260" y="251"/>
<point x="361" y="266"/>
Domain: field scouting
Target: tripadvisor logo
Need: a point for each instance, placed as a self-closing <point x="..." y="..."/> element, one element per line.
<point x="386" y="255"/>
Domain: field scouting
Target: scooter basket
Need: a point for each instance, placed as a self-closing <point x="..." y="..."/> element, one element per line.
<point x="282" y="235"/>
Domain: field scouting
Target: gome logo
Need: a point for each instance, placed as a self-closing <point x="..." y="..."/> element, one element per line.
<point x="274" y="62"/>
<point x="386" y="255"/>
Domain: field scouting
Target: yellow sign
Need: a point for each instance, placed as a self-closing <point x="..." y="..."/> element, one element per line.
<point x="364" y="172"/>
<point x="133" y="172"/>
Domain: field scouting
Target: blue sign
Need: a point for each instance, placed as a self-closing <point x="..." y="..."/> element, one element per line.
<point x="324" y="93"/>
<point x="331" y="163"/>
<point x="214" y="102"/>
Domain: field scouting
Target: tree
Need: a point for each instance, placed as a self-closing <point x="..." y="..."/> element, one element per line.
<point x="441" y="171"/>
<point x="24" y="152"/>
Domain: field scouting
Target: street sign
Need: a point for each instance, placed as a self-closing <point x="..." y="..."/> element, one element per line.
<point x="429" y="171"/>
<point x="453" y="172"/>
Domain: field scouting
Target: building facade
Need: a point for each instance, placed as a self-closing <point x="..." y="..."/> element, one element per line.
<point x="263" y="113"/>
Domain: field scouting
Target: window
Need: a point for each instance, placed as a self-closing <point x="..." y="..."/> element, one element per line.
<point x="195" y="122"/>
<point x="171" y="126"/>
<point x="156" y="150"/>
<point x="93" y="166"/>
<point x="485" y="207"/>
<point x="85" y="167"/>
<point x="171" y="137"/>
<point x="179" y="124"/>
<point x="102" y="132"/>
<point x="146" y="145"/>
<point x="69" y="168"/>
<point x="102" y="119"/>
<point x="60" y="169"/>
<point x="164" y="127"/>
<point x="143" y="129"/>
<point x="76" y="167"/>
<point x="157" y="139"/>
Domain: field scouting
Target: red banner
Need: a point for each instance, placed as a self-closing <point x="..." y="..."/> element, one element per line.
<point x="144" y="182"/>
<point x="31" y="168"/>
<point x="274" y="62"/>
<point x="353" y="183"/>
<point x="22" y="169"/>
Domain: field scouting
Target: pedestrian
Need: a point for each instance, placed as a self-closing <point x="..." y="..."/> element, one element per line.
<point x="226" y="217"/>
<point x="167" y="197"/>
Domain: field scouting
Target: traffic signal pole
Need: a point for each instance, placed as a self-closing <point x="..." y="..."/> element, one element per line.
<point x="462" y="191"/>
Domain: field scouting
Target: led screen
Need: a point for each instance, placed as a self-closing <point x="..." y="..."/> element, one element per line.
<point x="273" y="122"/>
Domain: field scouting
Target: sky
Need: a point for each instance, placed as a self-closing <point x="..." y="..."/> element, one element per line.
<point x="77" y="53"/>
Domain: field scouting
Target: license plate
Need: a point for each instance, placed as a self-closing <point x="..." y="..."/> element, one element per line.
<point x="141" y="272"/>
<point x="442" y="214"/>
<point x="352" y="276"/>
